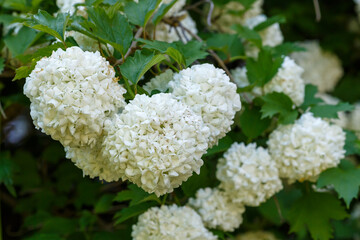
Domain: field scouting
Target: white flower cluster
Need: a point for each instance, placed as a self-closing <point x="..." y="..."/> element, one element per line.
<point x="67" y="6"/>
<point x="93" y="163"/>
<point x="270" y="36"/>
<point x="159" y="82"/>
<point x="224" y="16"/>
<point x="209" y="92"/>
<point x="287" y="80"/>
<point x="306" y="148"/>
<point x="165" y="32"/>
<point x="342" y="120"/>
<point x="72" y="92"/>
<point x="157" y="142"/>
<point x="321" y="68"/>
<point x="248" y="174"/>
<point x="256" y="235"/>
<point x="170" y="223"/>
<point x="217" y="209"/>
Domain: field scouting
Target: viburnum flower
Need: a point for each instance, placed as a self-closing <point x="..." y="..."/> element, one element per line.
<point x="72" y="92"/>
<point x="228" y="15"/>
<point x="92" y="162"/>
<point x="68" y="6"/>
<point x="321" y="68"/>
<point x="306" y="148"/>
<point x="248" y="174"/>
<point x="160" y="82"/>
<point x="287" y="80"/>
<point x="217" y="209"/>
<point x="170" y="223"/>
<point x="167" y="33"/>
<point x="270" y="36"/>
<point x="256" y="235"/>
<point x="157" y="142"/>
<point x="208" y="92"/>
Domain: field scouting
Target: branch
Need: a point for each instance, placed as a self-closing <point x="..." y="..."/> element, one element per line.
<point x="131" y="48"/>
<point x="317" y="10"/>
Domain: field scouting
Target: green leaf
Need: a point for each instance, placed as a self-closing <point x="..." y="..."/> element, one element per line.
<point x="27" y="174"/>
<point x="352" y="145"/>
<point x="24" y="71"/>
<point x="54" y="26"/>
<point x="6" y="172"/>
<point x="248" y="34"/>
<point x="2" y="64"/>
<point x="140" y="13"/>
<point x="286" y="48"/>
<point x="229" y="44"/>
<point x="135" y="67"/>
<point x="59" y="225"/>
<point x="160" y="13"/>
<point x="17" y="44"/>
<point x="223" y="145"/>
<point x="330" y="111"/>
<point x="132" y="211"/>
<point x="42" y="52"/>
<point x="310" y="99"/>
<point x="176" y="55"/>
<point x="136" y="195"/>
<point x="87" y="220"/>
<point x="345" y="180"/>
<point x="251" y="122"/>
<point x="262" y="70"/>
<point x="196" y="181"/>
<point x="107" y="29"/>
<point x="104" y="203"/>
<point x="314" y="211"/>
<point x="270" y="21"/>
<point x="278" y="103"/>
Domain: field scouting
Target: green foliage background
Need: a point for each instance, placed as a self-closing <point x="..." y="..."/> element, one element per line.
<point x="44" y="196"/>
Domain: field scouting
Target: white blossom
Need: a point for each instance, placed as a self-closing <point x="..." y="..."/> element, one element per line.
<point x="270" y="36"/>
<point x="68" y="6"/>
<point x="92" y="162"/>
<point x="167" y="33"/>
<point x="72" y="92"/>
<point x="342" y="120"/>
<point x="217" y="209"/>
<point x="321" y="68"/>
<point x="248" y="174"/>
<point x="228" y="15"/>
<point x="170" y="223"/>
<point x="256" y="235"/>
<point x="157" y="142"/>
<point x="209" y="92"/>
<point x="306" y="148"/>
<point x="287" y="80"/>
<point x="159" y="82"/>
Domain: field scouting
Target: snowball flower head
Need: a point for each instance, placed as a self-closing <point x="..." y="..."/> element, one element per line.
<point x="167" y="33"/>
<point x="92" y="162"/>
<point x="248" y="174"/>
<point x="159" y="82"/>
<point x="306" y="148"/>
<point x="170" y="223"/>
<point x="256" y="235"/>
<point x="209" y="93"/>
<point x="225" y="16"/>
<point x="157" y="142"/>
<point x="321" y="68"/>
<point x="68" y="6"/>
<point x="72" y="92"/>
<point x="217" y="209"/>
<point x="287" y="80"/>
<point x="270" y="36"/>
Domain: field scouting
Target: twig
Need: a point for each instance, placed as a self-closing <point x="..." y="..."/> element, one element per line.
<point x="2" y="112"/>
<point x="317" y="10"/>
<point x="210" y="12"/>
<point x="278" y="208"/>
<point x="131" y="48"/>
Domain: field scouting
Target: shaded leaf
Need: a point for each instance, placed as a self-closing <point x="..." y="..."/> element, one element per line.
<point x="196" y="181"/>
<point x="132" y="211"/>
<point x="270" y="21"/>
<point x="248" y="34"/>
<point x="330" y="111"/>
<point x="251" y="122"/>
<point x="140" y="13"/>
<point x="17" y="44"/>
<point x="104" y="203"/>
<point x="310" y="99"/>
<point x="162" y="10"/>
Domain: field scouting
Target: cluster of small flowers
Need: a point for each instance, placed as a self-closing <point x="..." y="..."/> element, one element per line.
<point x="156" y="142"/>
<point x="287" y="80"/>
